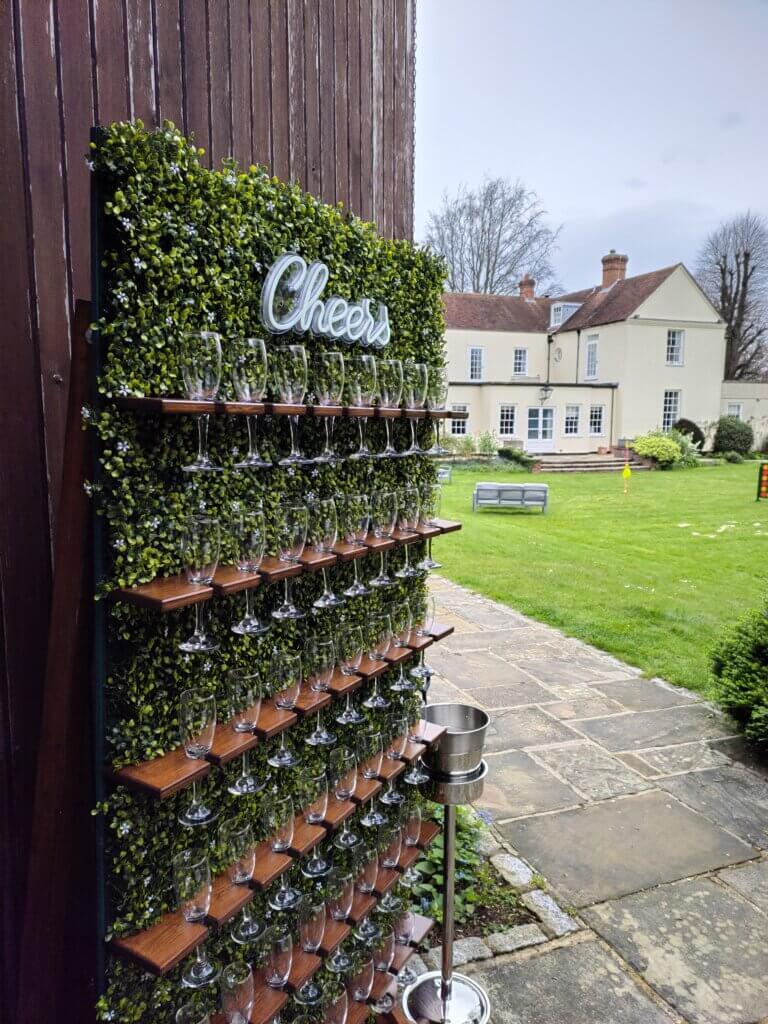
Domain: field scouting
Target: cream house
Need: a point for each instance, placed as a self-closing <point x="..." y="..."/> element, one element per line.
<point x="584" y="371"/>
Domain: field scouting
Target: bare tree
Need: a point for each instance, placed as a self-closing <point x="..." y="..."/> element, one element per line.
<point x="732" y="268"/>
<point x="492" y="236"/>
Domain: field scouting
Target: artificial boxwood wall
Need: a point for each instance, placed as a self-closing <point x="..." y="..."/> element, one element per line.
<point x="184" y="248"/>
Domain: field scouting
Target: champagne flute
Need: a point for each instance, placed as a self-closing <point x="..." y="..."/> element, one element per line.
<point x="286" y="671"/>
<point x="249" y="378"/>
<point x="384" y="511"/>
<point x="290" y="376"/>
<point x="315" y="814"/>
<point x="200" y="362"/>
<point x="380" y="633"/>
<point x="245" y="691"/>
<point x="430" y="510"/>
<point x="351" y="655"/>
<point x="362" y="388"/>
<point x="200" y="548"/>
<point x="397" y="728"/>
<point x="192" y="882"/>
<point x="329" y="389"/>
<point x="390" y="377"/>
<point x="415" y="385"/>
<point x="322" y="662"/>
<point x="437" y="395"/>
<point x="237" y="992"/>
<point x="343" y="770"/>
<point x="279" y="955"/>
<point x="323" y="531"/>
<point x="292" y="538"/>
<point x="383" y="956"/>
<point x="197" y="725"/>
<point x="356" y="512"/>
<point x="248" y="531"/>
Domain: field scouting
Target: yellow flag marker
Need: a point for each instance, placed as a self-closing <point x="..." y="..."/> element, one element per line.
<point x="626" y="472"/>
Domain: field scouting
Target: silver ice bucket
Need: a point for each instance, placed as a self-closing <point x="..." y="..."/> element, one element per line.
<point x="459" y="750"/>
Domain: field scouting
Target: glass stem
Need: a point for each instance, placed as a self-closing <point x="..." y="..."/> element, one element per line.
<point x="388" y="428"/>
<point x="196" y="793"/>
<point x="199" y="620"/>
<point x="246" y="762"/>
<point x="381" y="564"/>
<point x="354" y="567"/>
<point x="429" y="548"/>
<point x="248" y="612"/>
<point x="326" y="425"/>
<point x="287" y="591"/>
<point x="293" y="422"/>
<point x="413" y="432"/>
<point x="362" y="423"/>
<point x="200" y="954"/>
<point x="202" y="436"/>
<point x="326" y="591"/>
<point x="252" y="434"/>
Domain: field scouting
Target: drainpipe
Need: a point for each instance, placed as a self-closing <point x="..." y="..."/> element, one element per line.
<point x="610" y="436"/>
<point x="550" y="339"/>
<point x="578" y="346"/>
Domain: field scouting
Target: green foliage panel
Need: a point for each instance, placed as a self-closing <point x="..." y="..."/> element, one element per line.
<point x="184" y="248"/>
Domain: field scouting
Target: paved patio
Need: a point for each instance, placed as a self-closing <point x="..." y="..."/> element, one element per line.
<point x="645" y="813"/>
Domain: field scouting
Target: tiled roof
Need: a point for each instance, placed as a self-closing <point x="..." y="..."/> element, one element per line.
<point x="610" y="305"/>
<point x="473" y="311"/>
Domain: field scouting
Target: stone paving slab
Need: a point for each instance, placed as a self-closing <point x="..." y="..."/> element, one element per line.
<point x="593" y="772"/>
<point x="701" y="946"/>
<point x="482" y="640"/>
<point x="732" y="797"/>
<point x="558" y="671"/>
<point x="751" y="880"/>
<point x="514" y="728"/>
<point x="656" y="728"/>
<point x="477" y="669"/>
<point x="645" y="694"/>
<point x="685" y="757"/>
<point x="578" y="984"/>
<point x="517" y="785"/>
<point x="587" y="707"/>
<point x="514" y="695"/>
<point x="617" y="847"/>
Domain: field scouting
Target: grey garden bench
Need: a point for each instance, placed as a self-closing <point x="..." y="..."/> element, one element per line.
<point x="444" y="474"/>
<point x="495" y="495"/>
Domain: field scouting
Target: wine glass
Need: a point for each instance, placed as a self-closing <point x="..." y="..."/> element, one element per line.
<point x="200" y="548"/>
<point x="315" y="814"/>
<point x="397" y="728"/>
<point x="236" y="840"/>
<point x="416" y="774"/>
<point x="380" y="634"/>
<point x="390" y="377"/>
<point x="427" y="620"/>
<point x="369" y="869"/>
<point x="335" y="1005"/>
<point x="200" y="362"/>
<point x="412" y="830"/>
<point x="245" y="693"/>
<point x="192" y="882"/>
<point x="279" y="824"/>
<point x="392" y="846"/>
<point x="371" y="754"/>
<point x="342" y="892"/>
<point x="249" y="378"/>
<point x="362" y="388"/>
<point x="350" y="656"/>
<point x="279" y="955"/>
<point x="237" y="992"/>
<point x="191" y="1013"/>
<point x="323" y="531"/>
<point x="322" y="663"/>
<point x="329" y="389"/>
<point x="408" y="509"/>
<point x="383" y="956"/>
<point x="415" y="384"/>
<point x="197" y="725"/>
<point x="343" y="771"/>
<point x="361" y="983"/>
<point x="401" y="624"/>
<point x="289" y="371"/>
<point x="437" y="395"/>
<point x="384" y="510"/>
<point x="311" y="923"/>
<point x="248" y="531"/>
<point x="404" y="928"/>
<point x="292" y="538"/>
<point x="355" y="512"/>
<point x="430" y="510"/>
<point x="286" y="672"/>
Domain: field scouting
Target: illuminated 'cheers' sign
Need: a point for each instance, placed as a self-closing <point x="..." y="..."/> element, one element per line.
<point x="289" y="277"/>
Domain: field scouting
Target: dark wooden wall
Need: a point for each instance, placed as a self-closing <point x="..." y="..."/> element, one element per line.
<point x="322" y="91"/>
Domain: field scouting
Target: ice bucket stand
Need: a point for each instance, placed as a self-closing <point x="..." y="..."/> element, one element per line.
<point x="444" y="997"/>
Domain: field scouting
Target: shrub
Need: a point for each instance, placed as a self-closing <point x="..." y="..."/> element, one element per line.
<point x="689" y="452"/>
<point x="659" y="447"/>
<point x="733" y="456"/>
<point x="465" y="445"/>
<point x="692" y="430"/>
<point x="739" y="663"/>
<point x="487" y="443"/>
<point x="733" y="435"/>
<point x="517" y="456"/>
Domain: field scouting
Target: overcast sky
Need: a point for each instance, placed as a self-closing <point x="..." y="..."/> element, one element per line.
<point x="640" y="123"/>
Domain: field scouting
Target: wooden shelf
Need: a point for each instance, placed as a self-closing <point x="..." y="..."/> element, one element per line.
<point x="241" y="408"/>
<point x="402" y="955"/>
<point x="425" y="532"/>
<point x="346" y="552"/>
<point x="166" y="406"/>
<point x="284" y="409"/>
<point x="384" y="984"/>
<point x="385" y="880"/>
<point x="228" y="744"/>
<point x="227" y="900"/>
<point x="413" y="750"/>
<point x="369" y="669"/>
<point x="357" y="1013"/>
<point x="439" y="631"/>
<point x="397" y="655"/>
<point x="362" y="904"/>
<point x="415" y="414"/>
<point x="164" y="594"/>
<point x="161" y="947"/>
<point x="184" y="406"/>
<point x="408" y="857"/>
<point x="303" y="967"/>
<point x="273" y="570"/>
<point x="273" y="720"/>
<point x="305" y="836"/>
<point x="335" y="933"/>
<point x="314" y="561"/>
<point x="162" y="776"/>
<point x="429" y="830"/>
<point x="382" y="412"/>
<point x="419" y="643"/>
<point x="391" y="769"/>
<point x="432" y="732"/>
<point x="447" y="525"/>
<point x="422" y="928"/>
<point x="379" y="543"/>
<point x="269" y="866"/>
<point x="365" y="789"/>
<point x="404" y="537"/>
<point x="341" y="685"/>
<point x="338" y="812"/>
<point x="325" y="410"/>
<point x="230" y="580"/>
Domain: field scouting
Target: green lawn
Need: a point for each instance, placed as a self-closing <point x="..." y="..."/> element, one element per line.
<point x="650" y="577"/>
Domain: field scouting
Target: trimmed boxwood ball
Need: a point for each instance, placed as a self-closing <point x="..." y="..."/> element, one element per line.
<point x="693" y="430"/>
<point x="740" y="672"/>
<point x="184" y="248"/>
<point x="733" y="435"/>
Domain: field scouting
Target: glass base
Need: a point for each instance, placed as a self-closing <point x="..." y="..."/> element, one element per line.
<point x="416" y="778"/>
<point x="246" y="785"/>
<point x="368" y="931"/>
<point x="376" y="702"/>
<point x="198" y="814"/>
<point x="339" y="963"/>
<point x="203" y="465"/>
<point x="402" y="685"/>
<point x="247" y="931"/>
<point x="285" y="899"/>
<point x="328" y="601"/>
<point x="350" y="716"/>
<point x="374" y="819"/>
<point x="357" y="590"/>
<point x="437" y="451"/>
<point x="283" y="759"/>
<point x="316" y="868"/>
<point x="392" y="798"/>
<point x="253" y="462"/>
<point x="427" y="564"/>
<point x="198" y="643"/>
<point x="388" y="453"/>
<point x="360" y="454"/>
<point x="390" y="904"/>
<point x="407" y="573"/>
<point x="346" y="841"/>
<point x="251" y="626"/>
<point x="200" y="973"/>
<point x="310" y="994"/>
<point x="296" y="459"/>
<point x="381" y="581"/>
<point x="321" y="738"/>
<point x="287" y="611"/>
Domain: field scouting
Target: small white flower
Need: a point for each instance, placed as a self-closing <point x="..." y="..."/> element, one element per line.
<point x="154" y="523"/>
<point x="119" y="544"/>
<point x="126" y="223"/>
<point x="120" y="296"/>
<point x="229" y="250"/>
<point x="169" y="321"/>
<point x="86" y="413"/>
<point x="88" y="488"/>
<point x="210" y="316"/>
<point x="89" y="164"/>
<point x="189" y="302"/>
<point x="270" y="207"/>
<point x="230" y="179"/>
<point x="257" y="266"/>
<point x="137" y="263"/>
<point x="122" y="390"/>
<point x="174" y="168"/>
<point x="207" y="666"/>
<point x="123" y="447"/>
<point x="191" y="230"/>
<point x="241" y="232"/>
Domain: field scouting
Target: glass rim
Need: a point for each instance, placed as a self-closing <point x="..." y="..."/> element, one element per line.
<point x="237" y="967"/>
<point x="187" y="858"/>
<point x="197" y="693"/>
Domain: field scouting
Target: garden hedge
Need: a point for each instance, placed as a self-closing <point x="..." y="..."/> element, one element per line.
<point x="740" y="672"/>
<point x="733" y="435"/>
<point x="185" y="248"/>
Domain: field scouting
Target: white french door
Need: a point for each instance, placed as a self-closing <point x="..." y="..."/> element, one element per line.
<point x="540" y="436"/>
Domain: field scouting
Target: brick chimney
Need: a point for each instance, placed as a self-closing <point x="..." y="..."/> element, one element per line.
<point x="527" y="287"/>
<point x="614" y="268"/>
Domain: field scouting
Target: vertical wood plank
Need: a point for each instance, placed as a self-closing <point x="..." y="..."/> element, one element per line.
<point x="410" y="114"/>
<point x="327" y="60"/>
<point x="353" y="104"/>
<point x="240" y="61"/>
<point x="112" y="80"/>
<point x="296" y="92"/>
<point x="366" y="115"/>
<point x="377" y="114"/>
<point x="387" y="117"/>
<point x="168" y="69"/>
<point x="197" y="111"/>
<point x="281" y="158"/>
<point x="25" y="565"/>
<point x="341" y="97"/>
<point x="261" y="83"/>
<point x="219" y="81"/>
<point x="78" y="115"/>
<point x="46" y="198"/>
<point x="400" y="129"/>
<point x="141" y="60"/>
<point x="312" y="95"/>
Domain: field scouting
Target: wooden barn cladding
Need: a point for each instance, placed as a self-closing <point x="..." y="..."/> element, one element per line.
<point x="322" y="91"/>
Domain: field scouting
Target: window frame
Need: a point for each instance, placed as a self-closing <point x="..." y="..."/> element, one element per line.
<point x="671" y="391"/>
<point x="502" y="407"/>
<point x="524" y="371"/>
<point x="462" y="425"/>
<point x="592" y="344"/>
<point x="740" y="406"/>
<point x="601" y="431"/>
<point x="680" y="361"/>
<point x="577" y="431"/>
<point x="472" y="350"/>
